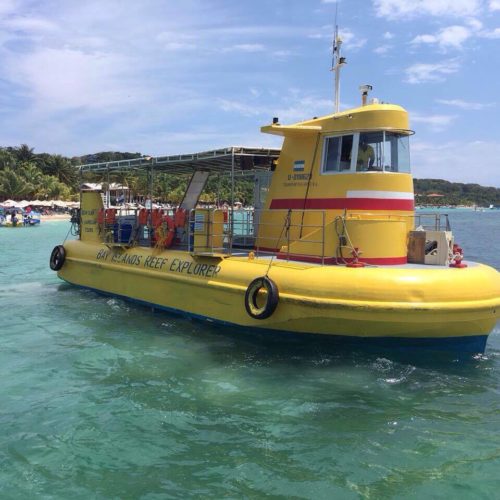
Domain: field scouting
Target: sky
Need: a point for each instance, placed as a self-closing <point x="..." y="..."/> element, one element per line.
<point x="166" y="77"/>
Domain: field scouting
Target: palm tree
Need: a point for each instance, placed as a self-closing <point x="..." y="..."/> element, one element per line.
<point x="51" y="187"/>
<point x="7" y="159"/>
<point x="24" y="153"/>
<point x="13" y="185"/>
<point x="63" y="169"/>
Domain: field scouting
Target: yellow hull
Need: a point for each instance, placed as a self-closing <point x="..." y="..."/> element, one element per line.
<point x="404" y="302"/>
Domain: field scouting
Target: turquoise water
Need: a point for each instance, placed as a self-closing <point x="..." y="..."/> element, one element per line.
<point x="104" y="399"/>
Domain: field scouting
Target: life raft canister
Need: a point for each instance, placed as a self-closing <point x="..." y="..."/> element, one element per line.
<point x="57" y="258"/>
<point x="252" y="298"/>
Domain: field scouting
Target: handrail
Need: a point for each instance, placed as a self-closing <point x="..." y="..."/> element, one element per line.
<point x="229" y="232"/>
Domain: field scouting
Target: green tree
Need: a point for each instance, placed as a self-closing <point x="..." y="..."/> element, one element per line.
<point x="13" y="185"/>
<point x="7" y="159"/>
<point x="51" y="188"/>
<point x="24" y="153"/>
<point x="61" y="167"/>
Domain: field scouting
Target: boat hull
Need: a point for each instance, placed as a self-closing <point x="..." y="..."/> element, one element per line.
<point x="457" y="308"/>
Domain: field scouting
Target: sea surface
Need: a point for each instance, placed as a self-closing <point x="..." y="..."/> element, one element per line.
<point x="100" y="398"/>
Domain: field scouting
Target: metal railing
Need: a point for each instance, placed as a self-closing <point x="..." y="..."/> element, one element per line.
<point x="290" y="233"/>
<point x="433" y="221"/>
<point x="261" y="231"/>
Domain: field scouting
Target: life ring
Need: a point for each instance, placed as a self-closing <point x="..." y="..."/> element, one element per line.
<point x="252" y="294"/>
<point x="57" y="258"/>
<point x="165" y="233"/>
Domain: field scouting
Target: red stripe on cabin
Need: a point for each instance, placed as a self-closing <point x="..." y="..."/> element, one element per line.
<point x="341" y="203"/>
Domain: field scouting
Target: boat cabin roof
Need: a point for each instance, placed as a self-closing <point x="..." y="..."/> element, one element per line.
<point x="226" y="160"/>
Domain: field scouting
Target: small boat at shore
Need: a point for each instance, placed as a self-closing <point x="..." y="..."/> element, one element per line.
<point x="332" y="247"/>
<point x="19" y="219"/>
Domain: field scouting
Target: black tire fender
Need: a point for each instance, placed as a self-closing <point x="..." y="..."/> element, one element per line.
<point x="57" y="258"/>
<point x="272" y="298"/>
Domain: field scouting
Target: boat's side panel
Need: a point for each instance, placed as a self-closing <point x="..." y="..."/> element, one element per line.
<point x="463" y="344"/>
<point x="326" y="300"/>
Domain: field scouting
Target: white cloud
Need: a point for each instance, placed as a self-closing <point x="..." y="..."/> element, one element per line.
<point x="491" y="34"/>
<point x="234" y="106"/>
<point x="494" y="5"/>
<point x="407" y="9"/>
<point x="474" y="161"/>
<point x="293" y="107"/>
<point x="382" y="49"/>
<point x="428" y="72"/>
<point x="450" y="37"/>
<point x="437" y="123"/>
<point x="172" y="41"/>
<point x="8" y="7"/>
<point x="459" y="103"/>
<point x="303" y="108"/>
<point x="348" y="37"/>
<point x="388" y="35"/>
<point x="29" y="24"/>
<point x="245" y="47"/>
<point x="351" y="40"/>
<point x="281" y="54"/>
<point x="64" y="79"/>
<point x="475" y="24"/>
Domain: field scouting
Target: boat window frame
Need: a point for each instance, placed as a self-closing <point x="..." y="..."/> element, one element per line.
<point x="354" y="149"/>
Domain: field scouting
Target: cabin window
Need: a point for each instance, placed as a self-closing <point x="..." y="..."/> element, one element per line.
<point x="370" y="151"/>
<point x="337" y="153"/>
<point x="397" y="152"/>
<point x="383" y="151"/>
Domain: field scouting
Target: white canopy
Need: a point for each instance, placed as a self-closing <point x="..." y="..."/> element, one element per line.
<point x="58" y="203"/>
<point x="38" y="203"/>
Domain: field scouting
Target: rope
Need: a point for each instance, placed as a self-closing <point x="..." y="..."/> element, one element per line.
<point x="286" y="226"/>
<point x="67" y="234"/>
<point x="344" y="235"/>
<point x="308" y="185"/>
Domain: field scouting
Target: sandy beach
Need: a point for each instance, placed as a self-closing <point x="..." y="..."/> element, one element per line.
<point x="48" y="218"/>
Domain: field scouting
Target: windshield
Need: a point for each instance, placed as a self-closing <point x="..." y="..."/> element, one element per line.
<point x="383" y="151"/>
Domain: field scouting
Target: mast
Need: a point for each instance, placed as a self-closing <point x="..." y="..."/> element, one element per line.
<point x="337" y="62"/>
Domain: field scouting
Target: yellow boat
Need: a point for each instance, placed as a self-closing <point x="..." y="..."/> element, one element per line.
<point x="333" y="245"/>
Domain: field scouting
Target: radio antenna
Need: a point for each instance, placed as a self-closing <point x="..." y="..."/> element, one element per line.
<point x="337" y="61"/>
